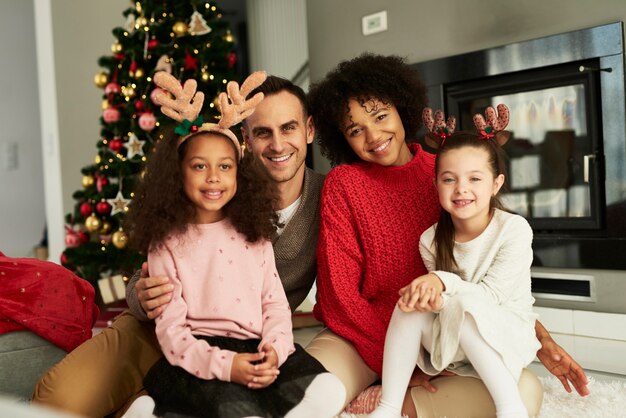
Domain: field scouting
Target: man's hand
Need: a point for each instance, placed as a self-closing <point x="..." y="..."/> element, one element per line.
<point x="419" y="378"/>
<point x="153" y="293"/>
<point x="255" y="370"/>
<point x="562" y="365"/>
<point x="422" y="294"/>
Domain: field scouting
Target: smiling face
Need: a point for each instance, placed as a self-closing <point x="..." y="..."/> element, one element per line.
<point x="465" y="182"/>
<point x="209" y="170"/>
<point x="375" y="133"/>
<point x="277" y="134"/>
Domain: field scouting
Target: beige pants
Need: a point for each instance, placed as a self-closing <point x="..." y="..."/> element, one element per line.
<point x="456" y="396"/>
<point x="105" y="374"/>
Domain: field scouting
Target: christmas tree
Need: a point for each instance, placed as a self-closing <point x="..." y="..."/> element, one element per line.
<point x="189" y="39"/>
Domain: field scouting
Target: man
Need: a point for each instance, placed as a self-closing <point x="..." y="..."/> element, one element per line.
<point x="106" y="373"/>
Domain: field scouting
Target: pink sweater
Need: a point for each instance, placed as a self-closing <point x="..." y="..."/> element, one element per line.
<point x="224" y="286"/>
<point x="371" y="220"/>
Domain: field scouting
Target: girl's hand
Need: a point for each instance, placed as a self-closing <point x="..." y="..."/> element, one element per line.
<point x="422" y="294"/>
<point x="419" y="378"/>
<point x="254" y="370"/>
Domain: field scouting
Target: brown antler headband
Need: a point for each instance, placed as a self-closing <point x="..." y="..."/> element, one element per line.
<point x="187" y="104"/>
<point x="494" y="125"/>
<point x="438" y="128"/>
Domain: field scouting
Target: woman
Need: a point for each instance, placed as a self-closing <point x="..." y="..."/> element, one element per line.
<point x="375" y="205"/>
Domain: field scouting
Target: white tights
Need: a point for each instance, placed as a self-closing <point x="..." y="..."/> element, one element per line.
<point x="409" y="331"/>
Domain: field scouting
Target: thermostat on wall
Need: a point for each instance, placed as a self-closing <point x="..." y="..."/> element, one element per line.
<point x="374" y="23"/>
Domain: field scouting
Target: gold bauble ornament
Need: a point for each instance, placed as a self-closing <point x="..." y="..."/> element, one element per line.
<point x="119" y="239"/>
<point x="139" y="73"/>
<point x="179" y="28"/>
<point x="88" y="180"/>
<point x="92" y="223"/>
<point x="105" y="104"/>
<point x="98" y="159"/>
<point x="105" y="228"/>
<point x="128" y="91"/>
<point x="101" y="79"/>
<point x="116" y="48"/>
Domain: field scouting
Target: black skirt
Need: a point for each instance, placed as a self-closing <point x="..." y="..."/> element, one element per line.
<point x="179" y="394"/>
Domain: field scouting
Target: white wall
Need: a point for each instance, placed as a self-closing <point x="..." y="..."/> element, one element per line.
<point x="22" y="209"/>
<point x="423" y="30"/>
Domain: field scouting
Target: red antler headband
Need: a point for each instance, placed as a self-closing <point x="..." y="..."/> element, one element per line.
<point x="438" y="130"/>
<point x="187" y="104"/>
<point x="494" y="125"/>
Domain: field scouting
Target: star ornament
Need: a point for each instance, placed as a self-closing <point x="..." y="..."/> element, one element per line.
<point x="191" y="63"/>
<point x="134" y="146"/>
<point x="119" y="204"/>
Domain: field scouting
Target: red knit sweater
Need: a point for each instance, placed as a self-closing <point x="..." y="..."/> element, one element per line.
<point x="371" y="220"/>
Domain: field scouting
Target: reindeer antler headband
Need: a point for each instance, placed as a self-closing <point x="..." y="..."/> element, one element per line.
<point x="492" y="127"/>
<point x="187" y="104"/>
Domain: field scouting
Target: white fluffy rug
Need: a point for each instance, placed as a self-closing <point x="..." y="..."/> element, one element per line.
<point x="606" y="400"/>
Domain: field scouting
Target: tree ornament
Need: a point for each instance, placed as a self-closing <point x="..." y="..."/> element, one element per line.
<point x="119" y="239"/>
<point x="147" y="122"/>
<point x="231" y="57"/>
<point x="197" y="25"/>
<point x="101" y="182"/>
<point x="105" y="228"/>
<point x="97" y="159"/>
<point x="105" y="104"/>
<point x="119" y="203"/>
<point x="116" y="145"/>
<point x="128" y="91"/>
<point x="152" y="43"/>
<point x="129" y="26"/>
<point x="112" y="88"/>
<point x="111" y="115"/>
<point x="179" y="28"/>
<point x="191" y="63"/>
<point x="72" y="240"/>
<point x="92" y="223"/>
<point x="155" y="93"/>
<point x="101" y="79"/>
<point x="64" y="260"/>
<point x="139" y="106"/>
<point x="103" y="207"/>
<point x="134" y="145"/>
<point x="83" y="237"/>
<point x="228" y="37"/>
<point x="88" y="180"/>
<point x="85" y="209"/>
<point x="116" y="48"/>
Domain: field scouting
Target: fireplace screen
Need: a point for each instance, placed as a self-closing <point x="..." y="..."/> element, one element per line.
<point x="554" y="148"/>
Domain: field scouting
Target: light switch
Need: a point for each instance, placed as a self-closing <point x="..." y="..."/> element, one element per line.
<point x="374" y="23"/>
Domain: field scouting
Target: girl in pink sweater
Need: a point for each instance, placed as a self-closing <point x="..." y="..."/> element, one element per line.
<point x="204" y="213"/>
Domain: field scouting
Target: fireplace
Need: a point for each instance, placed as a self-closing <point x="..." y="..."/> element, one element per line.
<point x="567" y="153"/>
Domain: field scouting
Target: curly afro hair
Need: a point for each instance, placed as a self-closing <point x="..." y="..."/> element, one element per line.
<point x="387" y="78"/>
<point x="161" y="207"/>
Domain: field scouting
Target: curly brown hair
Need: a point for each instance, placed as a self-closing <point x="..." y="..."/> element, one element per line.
<point x="387" y="78"/>
<point x="161" y="207"/>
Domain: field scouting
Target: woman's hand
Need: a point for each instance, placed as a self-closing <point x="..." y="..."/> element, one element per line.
<point x="563" y="366"/>
<point x="153" y="293"/>
<point x="255" y="370"/>
<point x="422" y="294"/>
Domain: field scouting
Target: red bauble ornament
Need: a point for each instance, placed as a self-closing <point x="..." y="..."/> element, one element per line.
<point x="152" y="43"/>
<point x="85" y="209"/>
<point x="156" y="92"/>
<point x="103" y="208"/>
<point x="111" y="115"/>
<point x="147" y="121"/>
<point x="232" y="59"/>
<point x="64" y="260"/>
<point x="112" y="88"/>
<point x="83" y="237"/>
<point x="116" y="145"/>
<point x="72" y="240"/>
<point x="101" y="183"/>
<point x="139" y="106"/>
<point x="133" y="66"/>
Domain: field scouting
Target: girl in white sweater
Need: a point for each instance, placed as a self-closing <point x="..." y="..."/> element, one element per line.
<point x="472" y="313"/>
